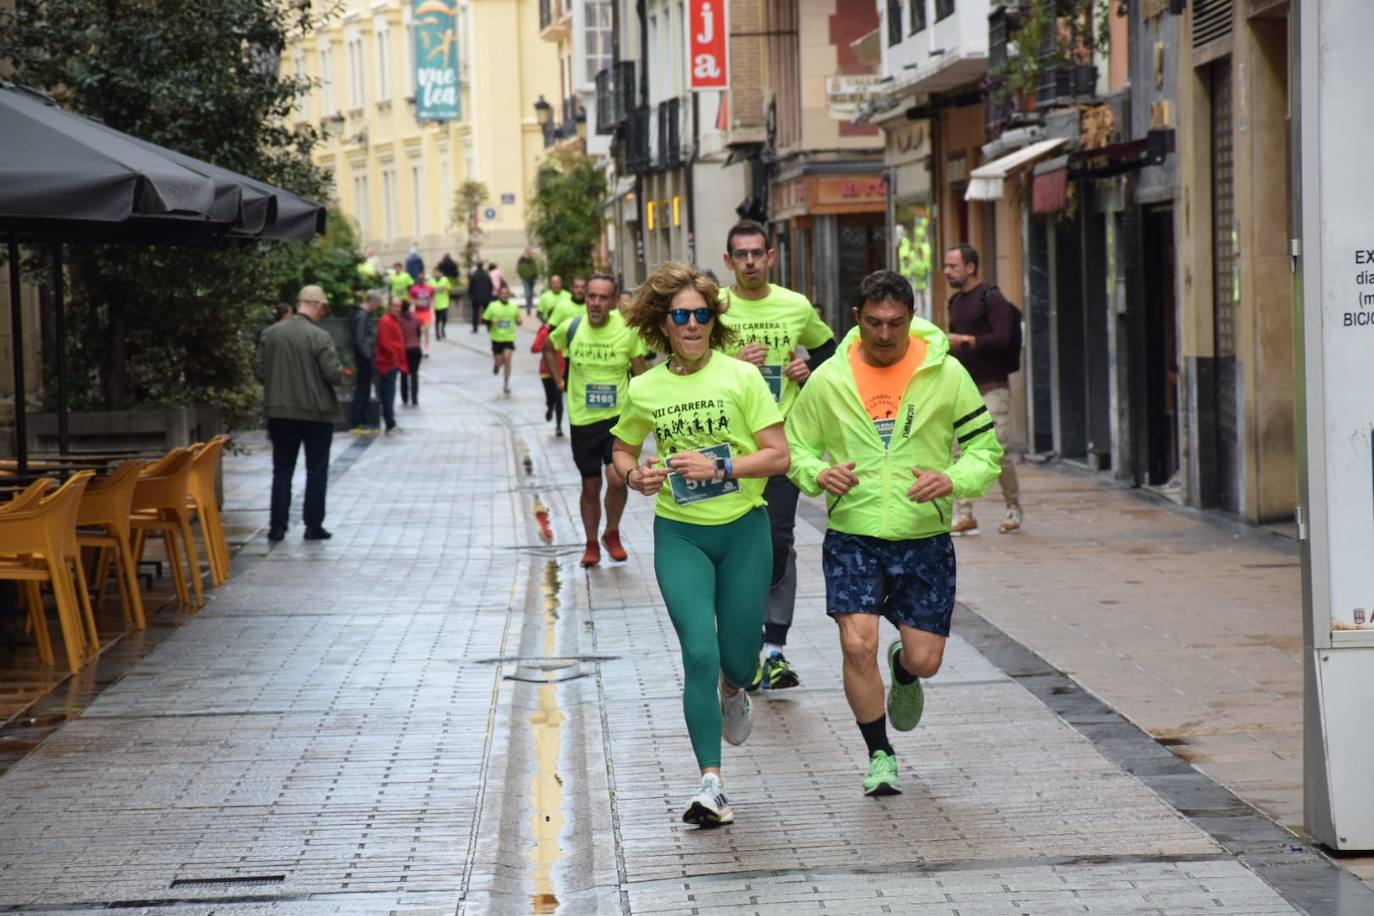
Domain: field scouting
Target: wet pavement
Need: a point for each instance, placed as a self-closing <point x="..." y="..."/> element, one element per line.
<point x="437" y="711"/>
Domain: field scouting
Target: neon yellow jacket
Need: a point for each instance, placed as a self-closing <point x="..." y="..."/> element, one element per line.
<point x="940" y="403"/>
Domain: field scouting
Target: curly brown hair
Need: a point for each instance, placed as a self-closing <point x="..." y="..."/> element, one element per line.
<point x="654" y="299"/>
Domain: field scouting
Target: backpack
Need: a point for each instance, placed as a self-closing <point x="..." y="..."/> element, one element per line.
<point x="1010" y="361"/>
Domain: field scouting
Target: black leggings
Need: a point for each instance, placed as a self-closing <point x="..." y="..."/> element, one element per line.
<point x="410" y="384"/>
<point x="440" y="323"/>
<point x="553" y="398"/>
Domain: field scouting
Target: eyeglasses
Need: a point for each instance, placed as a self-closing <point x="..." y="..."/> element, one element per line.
<point x="702" y="315"/>
<point x="751" y="254"/>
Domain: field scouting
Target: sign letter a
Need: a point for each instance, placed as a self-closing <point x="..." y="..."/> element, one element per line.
<point x="706" y="67"/>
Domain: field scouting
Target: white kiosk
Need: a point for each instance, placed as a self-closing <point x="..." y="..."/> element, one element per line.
<point x="1334" y="264"/>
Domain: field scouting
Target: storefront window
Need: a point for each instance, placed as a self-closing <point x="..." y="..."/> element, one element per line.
<point x="912" y="251"/>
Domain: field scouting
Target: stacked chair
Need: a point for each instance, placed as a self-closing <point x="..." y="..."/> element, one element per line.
<point x="46" y="528"/>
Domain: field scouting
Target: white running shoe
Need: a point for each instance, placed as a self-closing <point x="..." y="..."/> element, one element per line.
<point x="709" y="808"/>
<point x="736" y="716"/>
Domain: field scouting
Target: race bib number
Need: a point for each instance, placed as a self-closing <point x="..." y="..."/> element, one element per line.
<point x="600" y="397"/>
<point x="773" y="376"/>
<point x="687" y="491"/>
<point x="504" y="324"/>
<point x="884" y="428"/>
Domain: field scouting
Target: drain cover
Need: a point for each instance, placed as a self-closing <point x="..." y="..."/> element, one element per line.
<point x="230" y="881"/>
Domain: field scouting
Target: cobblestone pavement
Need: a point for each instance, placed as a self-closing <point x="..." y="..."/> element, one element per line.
<point x="439" y="712"/>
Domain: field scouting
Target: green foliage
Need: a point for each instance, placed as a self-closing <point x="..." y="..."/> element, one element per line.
<point x="164" y="325"/>
<point x="1081" y="25"/>
<point x="330" y="261"/>
<point x="565" y="214"/>
<point x="467" y="212"/>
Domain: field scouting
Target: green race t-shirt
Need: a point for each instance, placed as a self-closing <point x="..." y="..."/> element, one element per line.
<point x="564" y="310"/>
<point x="721" y="405"/>
<point x="782" y="321"/>
<point x="401" y="284"/>
<point x="548" y="299"/>
<point x="443" y="286"/>
<point x="598" y="366"/>
<point x="502" y="316"/>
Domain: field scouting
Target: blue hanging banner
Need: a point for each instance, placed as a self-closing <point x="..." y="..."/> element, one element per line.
<point x="436" y="61"/>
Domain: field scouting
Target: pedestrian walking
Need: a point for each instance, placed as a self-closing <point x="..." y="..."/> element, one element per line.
<point x="364" y="362"/>
<point x="771" y="321"/>
<point x="502" y="317"/>
<point x="299" y="367"/>
<point x="719" y="436"/>
<point x="443" y="291"/>
<point x="411" y="329"/>
<point x="985" y="335"/>
<point x="602" y="353"/>
<point x="447" y="267"/>
<point x="415" y="265"/>
<point x="527" y="269"/>
<point x="888" y="412"/>
<point x="495" y="273"/>
<point x="550" y="377"/>
<point x="421" y="296"/>
<point x="391" y="361"/>
<point x="479" y="293"/>
<point x="550" y="297"/>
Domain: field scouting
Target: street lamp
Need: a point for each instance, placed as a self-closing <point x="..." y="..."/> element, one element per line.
<point x="543" y="113"/>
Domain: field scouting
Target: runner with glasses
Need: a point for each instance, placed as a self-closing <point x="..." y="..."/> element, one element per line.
<point x="719" y="437"/>
<point x="771" y="321"/>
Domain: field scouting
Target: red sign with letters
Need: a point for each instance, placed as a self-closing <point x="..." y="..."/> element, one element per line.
<point x="707" y="48"/>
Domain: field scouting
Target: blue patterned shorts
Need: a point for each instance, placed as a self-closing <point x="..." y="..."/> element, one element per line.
<point x="908" y="582"/>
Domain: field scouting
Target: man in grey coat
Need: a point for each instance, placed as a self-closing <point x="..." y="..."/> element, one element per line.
<point x="299" y="368"/>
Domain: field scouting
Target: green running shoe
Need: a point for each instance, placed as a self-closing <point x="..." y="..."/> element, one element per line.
<point x="905" y="702"/>
<point x="778" y="674"/>
<point x="757" y="682"/>
<point x="882" y="775"/>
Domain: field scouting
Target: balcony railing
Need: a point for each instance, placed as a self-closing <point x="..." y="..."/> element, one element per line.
<point x="615" y="92"/>
<point x="638" y="153"/>
<point x="670" y="133"/>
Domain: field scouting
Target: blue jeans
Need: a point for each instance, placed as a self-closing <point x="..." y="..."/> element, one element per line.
<point x="386" y="393"/>
<point x="529" y="296"/>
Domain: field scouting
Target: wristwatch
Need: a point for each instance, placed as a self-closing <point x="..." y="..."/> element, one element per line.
<point x="725" y="466"/>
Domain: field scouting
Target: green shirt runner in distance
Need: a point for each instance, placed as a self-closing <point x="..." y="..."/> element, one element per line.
<point x="598" y="366"/>
<point x="549" y="300"/>
<point x="782" y="321"/>
<point x="502" y="316"/>
<point x="563" y="310"/>
<point x="724" y="403"/>
<point x="443" y="288"/>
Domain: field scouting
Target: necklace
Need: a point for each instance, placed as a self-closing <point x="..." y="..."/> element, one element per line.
<point x="677" y="368"/>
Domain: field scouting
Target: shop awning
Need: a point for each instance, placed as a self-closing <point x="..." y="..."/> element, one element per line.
<point x="986" y="181"/>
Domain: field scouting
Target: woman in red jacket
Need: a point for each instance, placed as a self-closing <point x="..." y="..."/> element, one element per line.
<point x="391" y="361"/>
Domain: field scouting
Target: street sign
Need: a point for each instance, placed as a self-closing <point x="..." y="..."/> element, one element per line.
<point x="1335" y="293"/>
<point x="708" y="50"/>
<point x="489" y="213"/>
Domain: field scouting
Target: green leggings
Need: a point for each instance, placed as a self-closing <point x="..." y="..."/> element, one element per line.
<point x="714" y="579"/>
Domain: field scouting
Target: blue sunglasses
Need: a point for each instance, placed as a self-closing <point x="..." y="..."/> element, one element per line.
<point x="702" y="315"/>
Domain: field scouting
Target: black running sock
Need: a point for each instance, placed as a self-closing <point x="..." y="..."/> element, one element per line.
<point x="903" y="677"/>
<point x="875" y="736"/>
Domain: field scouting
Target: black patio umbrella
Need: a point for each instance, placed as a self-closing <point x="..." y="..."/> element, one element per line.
<point x="68" y="178"/>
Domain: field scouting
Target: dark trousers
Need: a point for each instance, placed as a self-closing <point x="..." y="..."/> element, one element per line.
<point x="553" y="398"/>
<point x="440" y="323"/>
<point x="362" y="389"/>
<point x="477" y="309"/>
<point x="410" y="384"/>
<point x="386" y="393"/>
<point x="782" y="495"/>
<point x="529" y="296"/>
<point x="287" y="438"/>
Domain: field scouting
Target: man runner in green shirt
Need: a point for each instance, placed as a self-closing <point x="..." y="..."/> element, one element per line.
<point x="888" y="410"/>
<point x="602" y="352"/>
<point x="771" y="322"/>
<point x="550" y="297"/>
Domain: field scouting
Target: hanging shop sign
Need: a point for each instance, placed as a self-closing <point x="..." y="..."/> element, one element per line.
<point x="707" y="48"/>
<point x="436" y="61"/>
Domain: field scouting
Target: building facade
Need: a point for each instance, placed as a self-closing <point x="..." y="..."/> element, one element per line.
<point x="397" y="176"/>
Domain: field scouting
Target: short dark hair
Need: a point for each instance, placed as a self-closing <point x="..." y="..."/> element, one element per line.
<point x="886" y="284"/>
<point x="746" y="227"/>
<point x="967" y="252"/>
<point x="607" y="278"/>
